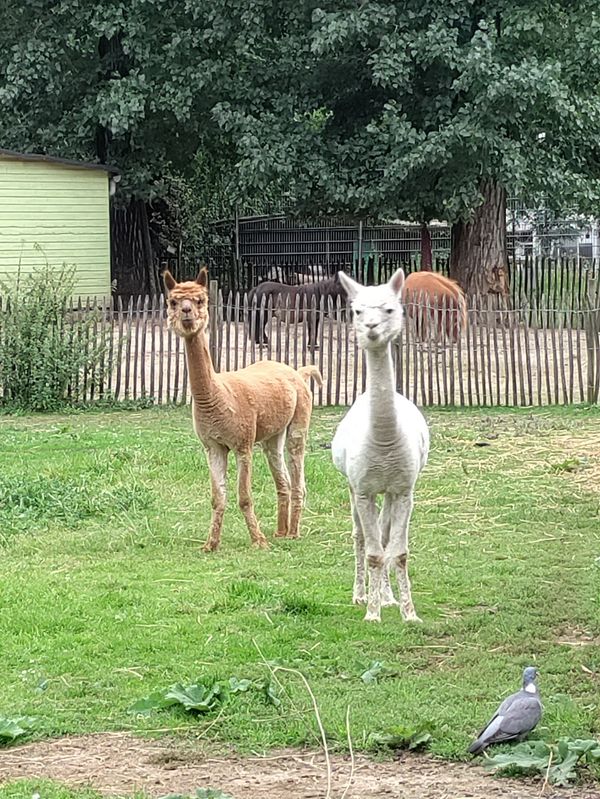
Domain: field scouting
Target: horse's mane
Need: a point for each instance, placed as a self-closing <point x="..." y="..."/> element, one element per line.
<point x="426" y="281"/>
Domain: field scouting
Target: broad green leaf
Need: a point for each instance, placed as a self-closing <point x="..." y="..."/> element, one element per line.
<point x="195" y="697"/>
<point x="271" y="693"/>
<point x="15" y="727"/>
<point x="155" y="701"/>
<point x="239" y="686"/>
<point x="370" y="676"/>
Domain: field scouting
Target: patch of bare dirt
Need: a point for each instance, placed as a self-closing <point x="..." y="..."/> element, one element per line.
<point x="120" y="764"/>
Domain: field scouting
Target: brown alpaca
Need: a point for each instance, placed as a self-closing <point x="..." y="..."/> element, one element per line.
<point x="441" y="299"/>
<point x="267" y="403"/>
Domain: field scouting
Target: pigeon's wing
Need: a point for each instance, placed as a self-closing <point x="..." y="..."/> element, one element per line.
<point x="500" y="712"/>
<point x="488" y="725"/>
<point x="520" y="718"/>
<point x="507" y="704"/>
<point x="523" y="714"/>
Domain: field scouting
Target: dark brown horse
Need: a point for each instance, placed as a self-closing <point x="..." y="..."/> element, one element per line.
<point x="291" y="304"/>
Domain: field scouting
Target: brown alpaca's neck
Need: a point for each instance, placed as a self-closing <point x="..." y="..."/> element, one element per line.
<point x="203" y="378"/>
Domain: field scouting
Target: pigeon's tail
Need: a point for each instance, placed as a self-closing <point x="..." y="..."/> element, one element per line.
<point x="478" y="746"/>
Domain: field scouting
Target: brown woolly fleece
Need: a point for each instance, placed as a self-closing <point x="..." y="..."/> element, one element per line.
<point x="267" y="403"/>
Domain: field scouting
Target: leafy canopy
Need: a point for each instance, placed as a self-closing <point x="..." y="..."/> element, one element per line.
<point x="383" y="108"/>
<point x="403" y="108"/>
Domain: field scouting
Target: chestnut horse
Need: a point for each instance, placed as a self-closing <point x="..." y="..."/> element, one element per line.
<point x="437" y="305"/>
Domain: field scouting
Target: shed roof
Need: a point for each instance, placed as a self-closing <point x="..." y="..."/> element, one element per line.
<point x="50" y="159"/>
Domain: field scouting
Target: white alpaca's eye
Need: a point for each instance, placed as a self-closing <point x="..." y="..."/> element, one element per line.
<point x="358" y="312"/>
<point x="389" y="310"/>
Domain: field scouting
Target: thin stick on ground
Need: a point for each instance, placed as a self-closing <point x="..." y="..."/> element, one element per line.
<point x="545" y="783"/>
<point x="319" y="723"/>
<point x="352" y="764"/>
<point x="274" y="676"/>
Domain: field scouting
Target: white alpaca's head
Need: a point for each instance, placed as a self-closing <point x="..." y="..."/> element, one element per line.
<point x="377" y="310"/>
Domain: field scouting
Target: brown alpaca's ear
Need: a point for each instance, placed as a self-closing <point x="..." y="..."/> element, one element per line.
<point x="169" y="281"/>
<point x="202" y="278"/>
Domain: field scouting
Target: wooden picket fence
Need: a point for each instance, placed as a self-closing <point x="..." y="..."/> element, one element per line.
<point x="525" y="356"/>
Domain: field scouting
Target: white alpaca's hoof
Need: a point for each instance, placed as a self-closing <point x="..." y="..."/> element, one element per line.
<point x="372" y="616"/>
<point x="412" y="617"/>
<point x="389" y="601"/>
<point x="359" y="599"/>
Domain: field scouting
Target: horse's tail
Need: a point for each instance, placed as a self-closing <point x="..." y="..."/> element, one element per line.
<point x="461" y="301"/>
<point x="456" y="321"/>
<point x="306" y="372"/>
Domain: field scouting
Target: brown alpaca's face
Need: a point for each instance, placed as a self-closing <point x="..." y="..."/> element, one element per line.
<point x="187" y="305"/>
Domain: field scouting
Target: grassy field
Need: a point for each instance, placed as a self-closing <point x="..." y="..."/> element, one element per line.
<point x="106" y="597"/>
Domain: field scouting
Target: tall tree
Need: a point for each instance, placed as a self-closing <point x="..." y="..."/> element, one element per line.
<point x="422" y="109"/>
<point x="430" y="110"/>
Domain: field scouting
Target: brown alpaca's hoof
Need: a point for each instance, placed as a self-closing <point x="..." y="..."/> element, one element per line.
<point x="210" y="546"/>
<point x="294" y="535"/>
<point x="281" y="534"/>
<point x="261" y="543"/>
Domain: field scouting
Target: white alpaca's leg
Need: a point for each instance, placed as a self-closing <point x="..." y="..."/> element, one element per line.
<point x="385" y="520"/>
<point x="217" y="464"/>
<point x="359" y="594"/>
<point x="367" y="511"/>
<point x="397" y="554"/>
<point x="274" y="450"/>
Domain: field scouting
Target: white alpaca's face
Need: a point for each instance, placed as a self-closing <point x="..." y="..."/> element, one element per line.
<point x="377" y="310"/>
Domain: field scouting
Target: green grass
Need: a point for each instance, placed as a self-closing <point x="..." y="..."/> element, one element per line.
<point x="105" y="595"/>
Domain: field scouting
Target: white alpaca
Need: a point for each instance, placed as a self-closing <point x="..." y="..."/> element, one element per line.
<point x="381" y="445"/>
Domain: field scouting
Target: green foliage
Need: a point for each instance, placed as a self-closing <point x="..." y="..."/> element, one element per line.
<point x="401" y="109"/>
<point x="195" y="697"/>
<point x="39" y="498"/>
<point x="560" y="761"/>
<point x="399" y="737"/>
<point x="200" y="699"/>
<point x="10" y="729"/>
<point x="44" y="343"/>
<point x="126" y="604"/>
<point x="370" y="676"/>
<point x="380" y="108"/>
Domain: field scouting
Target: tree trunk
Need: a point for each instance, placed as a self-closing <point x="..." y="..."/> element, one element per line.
<point x="478" y="259"/>
<point x="426" y="255"/>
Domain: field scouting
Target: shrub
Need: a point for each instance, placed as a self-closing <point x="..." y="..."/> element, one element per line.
<point x="44" y="343"/>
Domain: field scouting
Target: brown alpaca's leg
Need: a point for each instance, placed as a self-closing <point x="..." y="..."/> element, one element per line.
<point x="217" y="464"/>
<point x="244" y="467"/>
<point x="296" y="444"/>
<point x="274" y="449"/>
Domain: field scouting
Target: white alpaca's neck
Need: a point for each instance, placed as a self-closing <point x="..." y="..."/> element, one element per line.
<point x="381" y="390"/>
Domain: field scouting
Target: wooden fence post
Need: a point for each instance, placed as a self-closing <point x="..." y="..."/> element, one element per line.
<point x="592" y="329"/>
<point x="213" y="308"/>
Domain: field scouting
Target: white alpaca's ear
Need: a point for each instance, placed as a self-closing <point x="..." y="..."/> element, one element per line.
<point x="351" y="287"/>
<point x="169" y="281"/>
<point x="397" y="281"/>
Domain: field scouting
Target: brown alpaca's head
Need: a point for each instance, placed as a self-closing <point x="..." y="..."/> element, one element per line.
<point x="187" y="304"/>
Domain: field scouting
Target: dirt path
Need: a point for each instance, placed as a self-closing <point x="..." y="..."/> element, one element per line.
<point x="121" y="764"/>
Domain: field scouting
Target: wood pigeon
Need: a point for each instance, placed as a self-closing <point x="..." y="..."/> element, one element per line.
<point x="515" y="718"/>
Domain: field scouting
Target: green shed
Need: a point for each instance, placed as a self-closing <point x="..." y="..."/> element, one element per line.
<point x="56" y="211"/>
